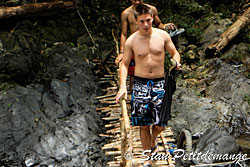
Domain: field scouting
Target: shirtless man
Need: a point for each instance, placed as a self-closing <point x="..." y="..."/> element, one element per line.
<point x="148" y="47"/>
<point x="128" y="19"/>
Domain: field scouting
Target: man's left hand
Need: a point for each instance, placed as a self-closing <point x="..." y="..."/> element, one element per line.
<point x="178" y="66"/>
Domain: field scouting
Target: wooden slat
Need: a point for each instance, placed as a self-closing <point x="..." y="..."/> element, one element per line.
<point x="112" y="145"/>
<point x="107" y="102"/>
<point x="108" y="95"/>
<point x="112" y="125"/>
<point x="107" y="135"/>
<point x="109" y="76"/>
<point x="111" y="118"/>
<point x="165" y="141"/>
<point x="113" y="153"/>
<point x="115" y="130"/>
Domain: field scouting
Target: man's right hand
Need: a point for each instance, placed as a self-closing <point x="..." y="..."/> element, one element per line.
<point x="119" y="59"/>
<point x="122" y="91"/>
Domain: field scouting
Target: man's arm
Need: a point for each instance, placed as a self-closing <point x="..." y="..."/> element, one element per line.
<point x="158" y="22"/>
<point x="124" y="32"/>
<point x="124" y="70"/>
<point x="169" y="46"/>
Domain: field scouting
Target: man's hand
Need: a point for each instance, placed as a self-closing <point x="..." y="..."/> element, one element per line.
<point x="172" y="30"/>
<point x="119" y="59"/>
<point x="122" y="91"/>
<point x="169" y="26"/>
<point x="178" y="66"/>
<point x="175" y="64"/>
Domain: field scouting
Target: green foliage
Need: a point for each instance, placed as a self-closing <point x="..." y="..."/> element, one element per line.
<point x="167" y="61"/>
<point x="189" y="6"/>
<point x="236" y="58"/>
<point x="192" y="30"/>
<point x="247" y="98"/>
<point x="101" y="16"/>
<point x="222" y="8"/>
<point x="248" y="75"/>
<point x="6" y="86"/>
<point x="184" y="14"/>
<point x="245" y="37"/>
<point x="6" y="82"/>
<point x="200" y="94"/>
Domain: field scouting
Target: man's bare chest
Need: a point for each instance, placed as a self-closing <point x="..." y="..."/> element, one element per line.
<point x="132" y="23"/>
<point x="131" y="18"/>
<point x="144" y="48"/>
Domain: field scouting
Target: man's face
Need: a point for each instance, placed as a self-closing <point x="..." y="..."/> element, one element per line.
<point x="145" y="22"/>
<point x="136" y="2"/>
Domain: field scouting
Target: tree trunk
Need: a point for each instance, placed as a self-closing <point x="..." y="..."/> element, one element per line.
<point x="214" y="48"/>
<point x="40" y="9"/>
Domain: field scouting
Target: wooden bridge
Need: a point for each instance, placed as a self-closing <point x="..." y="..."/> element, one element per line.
<point x="124" y="145"/>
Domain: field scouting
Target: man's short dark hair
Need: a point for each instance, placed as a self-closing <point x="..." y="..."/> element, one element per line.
<point x="142" y="9"/>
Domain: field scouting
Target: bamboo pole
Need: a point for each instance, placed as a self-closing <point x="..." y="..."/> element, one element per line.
<point x="126" y="141"/>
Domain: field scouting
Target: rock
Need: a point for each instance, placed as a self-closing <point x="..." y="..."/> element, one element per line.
<point x="186" y="71"/>
<point x="192" y="47"/>
<point x="237" y="54"/>
<point x="52" y="123"/>
<point x="180" y="42"/>
<point x="68" y="140"/>
<point x="244" y="142"/>
<point x="193" y="66"/>
<point x="230" y="87"/>
<point x="219" y="101"/>
<point x="191" y="54"/>
<point x="193" y="112"/>
<point x="215" y="142"/>
<point x="216" y="27"/>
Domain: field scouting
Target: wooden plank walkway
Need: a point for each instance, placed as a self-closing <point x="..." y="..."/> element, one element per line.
<point x="124" y="141"/>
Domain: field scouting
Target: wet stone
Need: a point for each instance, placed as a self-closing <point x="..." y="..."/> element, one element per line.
<point x="53" y="124"/>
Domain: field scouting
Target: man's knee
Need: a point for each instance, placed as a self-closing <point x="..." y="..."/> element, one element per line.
<point x="144" y="128"/>
<point x="160" y="128"/>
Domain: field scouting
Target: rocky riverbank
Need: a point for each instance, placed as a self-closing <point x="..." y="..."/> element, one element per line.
<point x="53" y="122"/>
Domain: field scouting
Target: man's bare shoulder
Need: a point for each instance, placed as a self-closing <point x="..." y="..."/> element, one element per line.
<point x="153" y="8"/>
<point x="132" y="37"/>
<point x="160" y="32"/>
<point x="127" y="11"/>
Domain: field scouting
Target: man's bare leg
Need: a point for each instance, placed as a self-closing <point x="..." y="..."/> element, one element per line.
<point x="156" y="130"/>
<point x="145" y="140"/>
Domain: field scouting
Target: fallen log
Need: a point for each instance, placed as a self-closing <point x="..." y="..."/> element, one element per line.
<point x="216" y="46"/>
<point x="41" y="9"/>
